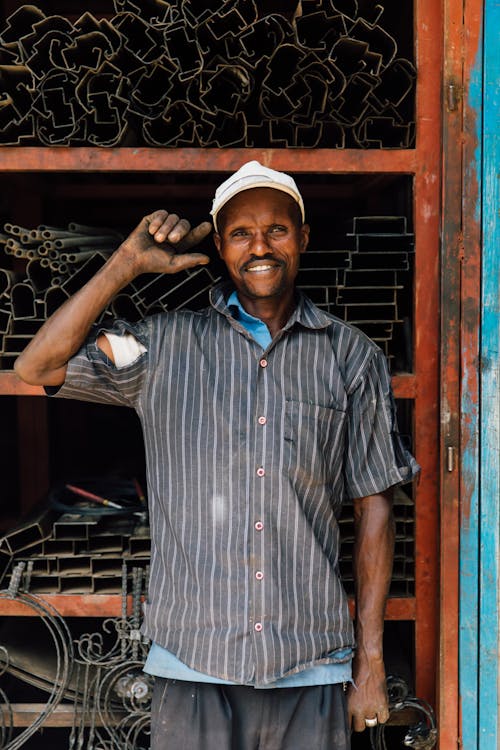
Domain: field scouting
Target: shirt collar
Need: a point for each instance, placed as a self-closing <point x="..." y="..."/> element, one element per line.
<point x="305" y="313"/>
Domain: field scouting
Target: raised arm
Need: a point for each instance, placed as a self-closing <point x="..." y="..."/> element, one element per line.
<point x="373" y="556"/>
<point x="159" y="244"/>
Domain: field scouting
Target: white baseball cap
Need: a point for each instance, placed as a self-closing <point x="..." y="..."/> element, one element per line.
<point x="254" y="175"/>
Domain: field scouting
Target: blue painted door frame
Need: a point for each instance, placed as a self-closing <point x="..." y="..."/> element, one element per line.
<point x="480" y="535"/>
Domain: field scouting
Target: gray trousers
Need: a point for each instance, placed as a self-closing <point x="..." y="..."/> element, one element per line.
<point x="204" y="716"/>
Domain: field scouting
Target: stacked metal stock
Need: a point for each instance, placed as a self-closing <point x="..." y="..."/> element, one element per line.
<point x="206" y="74"/>
<point x="368" y="282"/>
<point x="57" y="263"/>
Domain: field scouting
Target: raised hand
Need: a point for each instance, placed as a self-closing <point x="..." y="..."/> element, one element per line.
<point x="161" y="243"/>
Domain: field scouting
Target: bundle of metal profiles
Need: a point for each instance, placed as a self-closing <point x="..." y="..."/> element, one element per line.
<point x="78" y="554"/>
<point x="218" y="74"/>
<point x="366" y="283"/>
<point x="58" y="263"/>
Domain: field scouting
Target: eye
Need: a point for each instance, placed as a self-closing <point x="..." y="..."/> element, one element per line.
<point x="239" y="233"/>
<point x="277" y="229"/>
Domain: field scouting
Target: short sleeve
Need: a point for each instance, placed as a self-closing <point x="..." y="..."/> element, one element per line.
<point x="375" y="458"/>
<point x="92" y="376"/>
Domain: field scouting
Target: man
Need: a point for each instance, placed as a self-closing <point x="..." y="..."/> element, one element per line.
<point x="261" y="414"/>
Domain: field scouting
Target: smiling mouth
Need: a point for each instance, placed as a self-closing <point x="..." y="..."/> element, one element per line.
<point x="262" y="267"/>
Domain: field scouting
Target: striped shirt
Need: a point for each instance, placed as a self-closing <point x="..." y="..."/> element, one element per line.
<point x="250" y="455"/>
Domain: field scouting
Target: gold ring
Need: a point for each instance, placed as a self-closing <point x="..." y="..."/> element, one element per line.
<point x="371" y="722"/>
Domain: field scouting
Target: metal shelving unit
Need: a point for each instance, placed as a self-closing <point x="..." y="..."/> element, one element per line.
<point x="422" y="165"/>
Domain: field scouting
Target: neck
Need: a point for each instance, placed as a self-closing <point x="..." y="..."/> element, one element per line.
<point x="275" y="313"/>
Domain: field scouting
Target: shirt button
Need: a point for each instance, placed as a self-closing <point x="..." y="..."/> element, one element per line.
<point x="263" y="363"/>
<point x="259" y="526"/>
<point x="262" y="420"/>
<point x="259" y="575"/>
<point x="260" y="471"/>
<point x="258" y="627"/>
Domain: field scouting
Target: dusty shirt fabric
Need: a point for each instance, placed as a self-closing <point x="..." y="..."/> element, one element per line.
<point x="250" y="455"/>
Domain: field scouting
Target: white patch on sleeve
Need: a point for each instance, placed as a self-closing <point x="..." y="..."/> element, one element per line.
<point x="126" y="349"/>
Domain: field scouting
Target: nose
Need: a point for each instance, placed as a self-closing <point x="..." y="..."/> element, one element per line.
<point x="260" y="244"/>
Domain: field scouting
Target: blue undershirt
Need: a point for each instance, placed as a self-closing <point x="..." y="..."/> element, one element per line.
<point x="163" y="663"/>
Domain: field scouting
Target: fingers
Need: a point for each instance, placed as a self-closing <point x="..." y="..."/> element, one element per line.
<point x="165" y="227"/>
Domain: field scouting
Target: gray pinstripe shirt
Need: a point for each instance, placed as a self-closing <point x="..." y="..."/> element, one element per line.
<point x="250" y="454"/>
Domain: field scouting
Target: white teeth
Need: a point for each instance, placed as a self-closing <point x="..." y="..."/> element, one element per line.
<point x="260" y="268"/>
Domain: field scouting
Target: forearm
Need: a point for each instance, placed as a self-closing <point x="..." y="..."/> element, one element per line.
<point x="373" y="558"/>
<point x="373" y="555"/>
<point x="44" y="360"/>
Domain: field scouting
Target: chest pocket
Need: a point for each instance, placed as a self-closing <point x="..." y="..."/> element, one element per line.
<point x="315" y="432"/>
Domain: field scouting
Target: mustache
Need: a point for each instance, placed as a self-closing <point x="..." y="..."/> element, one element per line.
<point x="261" y="259"/>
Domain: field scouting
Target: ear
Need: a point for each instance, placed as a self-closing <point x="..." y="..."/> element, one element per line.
<point x="218" y="243"/>
<point x="304" y="237"/>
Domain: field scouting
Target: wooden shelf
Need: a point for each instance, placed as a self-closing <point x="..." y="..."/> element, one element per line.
<point x="109" y="605"/>
<point x="143" y="159"/>
<point x="404" y="386"/>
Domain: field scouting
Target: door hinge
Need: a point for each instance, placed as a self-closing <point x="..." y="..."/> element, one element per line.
<point x="453" y="96"/>
<point x="450" y="458"/>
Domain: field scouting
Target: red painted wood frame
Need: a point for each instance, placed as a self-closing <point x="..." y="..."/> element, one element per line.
<point x="424" y="164"/>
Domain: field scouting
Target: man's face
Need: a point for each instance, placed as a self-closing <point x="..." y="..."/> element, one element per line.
<point x="260" y="240"/>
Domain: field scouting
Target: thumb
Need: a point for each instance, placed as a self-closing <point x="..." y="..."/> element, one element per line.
<point x="189" y="260"/>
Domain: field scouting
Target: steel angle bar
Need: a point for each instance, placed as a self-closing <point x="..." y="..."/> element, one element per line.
<point x="16" y="95"/>
<point x="151" y="92"/>
<point x="138" y="36"/>
<point x="175" y="127"/>
<point x="58" y="114"/>
<point x="23" y="301"/>
<point x="183" y="49"/>
<point x="320" y="30"/>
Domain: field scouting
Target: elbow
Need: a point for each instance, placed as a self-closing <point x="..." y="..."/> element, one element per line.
<point x="24" y="372"/>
